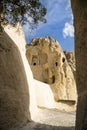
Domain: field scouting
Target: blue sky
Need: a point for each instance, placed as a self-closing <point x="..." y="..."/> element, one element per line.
<point x="59" y="24"/>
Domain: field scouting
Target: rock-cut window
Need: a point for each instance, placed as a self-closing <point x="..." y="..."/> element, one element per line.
<point x="56" y="63"/>
<point x="63" y="59"/>
<point x="35" y="60"/>
<point x="34" y="64"/>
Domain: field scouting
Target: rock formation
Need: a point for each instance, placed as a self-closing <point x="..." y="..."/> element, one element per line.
<point x="14" y="97"/>
<point x="17" y="95"/>
<point x="70" y="56"/>
<point x="49" y="65"/>
<point x="20" y="94"/>
<point x="79" y="8"/>
<point x="17" y="35"/>
<point x="14" y="94"/>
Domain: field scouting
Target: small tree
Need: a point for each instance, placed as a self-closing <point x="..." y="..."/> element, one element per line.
<point x="23" y="11"/>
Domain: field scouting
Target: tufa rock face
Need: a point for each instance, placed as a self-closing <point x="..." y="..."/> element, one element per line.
<point x="49" y="65"/>
<point x="70" y="56"/>
<point x="17" y="35"/>
<point x="14" y="95"/>
<point x="79" y="9"/>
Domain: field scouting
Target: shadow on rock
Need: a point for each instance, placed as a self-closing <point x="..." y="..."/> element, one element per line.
<point x="49" y="127"/>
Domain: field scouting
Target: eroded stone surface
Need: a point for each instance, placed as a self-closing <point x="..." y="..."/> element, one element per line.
<point x="79" y="9"/>
<point x="14" y="94"/>
<point x="17" y="35"/>
<point x="70" y="56"/>
<point x="49" y="65"/>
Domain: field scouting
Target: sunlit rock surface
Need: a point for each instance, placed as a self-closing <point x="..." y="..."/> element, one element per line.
<point x="70" y="56"/>
<point x="14" y="95"/>
<point x="17" y="35"/>
<point x="20" y="93"/>
<point x="45" y="98"/>
<point x="49" y="65"/>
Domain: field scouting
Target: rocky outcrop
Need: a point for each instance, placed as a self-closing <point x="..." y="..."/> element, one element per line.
<point x="45" y="98"/>
<point x="20" y="94"/>
<point x="17" y="35"/>
<point x="49" y="65"/>
<point x="17" y="95"/>
<point x="14" y="93"/>
<point x="70" y="56"/>
<point x="79" y="8"/>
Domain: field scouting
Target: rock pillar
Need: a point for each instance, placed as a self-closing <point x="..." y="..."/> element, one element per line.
<point x="14" y="93"/>
<point x="79" y="8"/>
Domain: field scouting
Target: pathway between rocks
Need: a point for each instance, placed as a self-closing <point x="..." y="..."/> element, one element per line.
<point x="52" y="120"/>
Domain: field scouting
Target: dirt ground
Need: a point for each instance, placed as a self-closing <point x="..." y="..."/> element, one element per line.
<point x="52" y="120"/>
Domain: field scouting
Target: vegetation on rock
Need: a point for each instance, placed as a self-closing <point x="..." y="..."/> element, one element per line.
<point x="23" y="11"/>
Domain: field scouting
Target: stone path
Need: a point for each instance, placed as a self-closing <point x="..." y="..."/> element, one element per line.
<point x="52" y="120"/>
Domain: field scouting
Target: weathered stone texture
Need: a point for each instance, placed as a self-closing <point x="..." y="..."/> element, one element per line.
<point x="79" y="8"/>
<point x="70" y="56"/>
<point x="17" y="35"/>
<point x="49" y="65"/>
<point x="14" y="96"/>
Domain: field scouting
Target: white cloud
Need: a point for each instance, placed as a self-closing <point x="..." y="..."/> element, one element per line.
<point x="68" y="30"/>
<point x="58" y="11"/>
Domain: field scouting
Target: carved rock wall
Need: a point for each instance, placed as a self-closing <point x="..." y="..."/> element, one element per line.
<point x="79" y="8"/>
<point x="17" y="35"/>
<point x="70" y="56"/>
<point x="49" y="65"/>
<point x="14" y="95"/>
<point x="17" y="93"/>
<point x="45" y="98"/>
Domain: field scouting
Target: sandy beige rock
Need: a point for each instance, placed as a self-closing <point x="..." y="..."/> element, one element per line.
<point x="17" y="35"/>
<point x="23" y="97"/>
<point x="14" y="95"/>
<point x="45" y="99"/>
<point x="70" y="56"/>
<point x="49" y="65"/>
<point x="17" y="93"/>
<point x="44" y="95"/>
